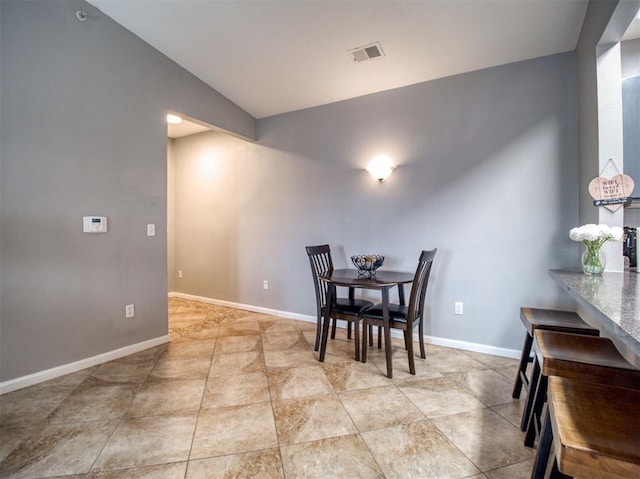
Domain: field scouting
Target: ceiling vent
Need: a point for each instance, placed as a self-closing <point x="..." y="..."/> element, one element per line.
<point x="367" y="52"/>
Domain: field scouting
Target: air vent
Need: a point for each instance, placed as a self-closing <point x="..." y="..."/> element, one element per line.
<point x="367" y="52"/>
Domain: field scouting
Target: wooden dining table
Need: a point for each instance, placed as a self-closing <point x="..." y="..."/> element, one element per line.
<point x="383" y="280"/>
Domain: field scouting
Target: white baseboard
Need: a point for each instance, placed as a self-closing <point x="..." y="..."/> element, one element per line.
<point x="47" y="374"/>
<point x="449" y="343"/>
<point x="246" y="307"/>
<point x="41" y="376"/>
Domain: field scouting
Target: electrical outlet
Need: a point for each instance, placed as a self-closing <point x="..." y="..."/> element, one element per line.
<point x="265" y="284"/>
<point x="179" y="274"/>
<point x="458" y="307"/>
<point x="151" y="230"/>
<point x="129" y="311"/>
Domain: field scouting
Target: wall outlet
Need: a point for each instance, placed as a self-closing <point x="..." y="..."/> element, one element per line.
<point x="265" y="284"/>
<point x="129" y="311"/>
<point x="179" y="274"/>
<point x="151" y="230"/>
<point x="458" y="307"/>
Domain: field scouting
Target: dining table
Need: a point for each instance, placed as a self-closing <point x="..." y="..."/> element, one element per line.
<point x="382" y="280"/>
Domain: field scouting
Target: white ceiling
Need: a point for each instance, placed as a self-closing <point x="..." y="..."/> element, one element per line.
<point x="633" y="31"/>
<point x="275" y="56"/>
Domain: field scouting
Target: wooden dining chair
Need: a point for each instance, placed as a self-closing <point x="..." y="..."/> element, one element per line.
<point x="347" y="309"/>
<point x="404" y="317"/>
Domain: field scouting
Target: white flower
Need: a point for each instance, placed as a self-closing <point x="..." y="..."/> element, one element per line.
<point x="596" y="233"/>
<point x="616" y="233"/>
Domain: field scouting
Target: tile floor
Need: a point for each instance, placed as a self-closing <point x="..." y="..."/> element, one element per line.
<point x="241" y="395"/>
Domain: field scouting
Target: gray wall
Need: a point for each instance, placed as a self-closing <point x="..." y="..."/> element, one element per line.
<point x="630" y="53"/>
<point x="83" y="132"/>
<point x="487" y="173"/>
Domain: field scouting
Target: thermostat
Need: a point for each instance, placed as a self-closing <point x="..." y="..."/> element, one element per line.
<point x="94" y="224"/>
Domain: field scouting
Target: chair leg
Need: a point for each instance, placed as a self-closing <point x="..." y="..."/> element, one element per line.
<point x="535" y="379"/>
<point x="318" y="330"/>
<point x="536" y="411"/>
<point x="544" y="448"/>
<point x="522" y="367"/>
<point x="349" y="330"/>
<point x="423" y="353"/>
<point x="379" y="336"/>
<point x="356" y="334"/>
<point x="333" y="328"/>
<point x="323" y="342"/>
<point x="408" y="339"/>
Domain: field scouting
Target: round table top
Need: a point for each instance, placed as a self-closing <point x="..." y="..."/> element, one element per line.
<point x="353" y="278"/>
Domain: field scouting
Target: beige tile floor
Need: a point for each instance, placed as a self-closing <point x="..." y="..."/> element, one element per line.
<point x="242" y="395"/>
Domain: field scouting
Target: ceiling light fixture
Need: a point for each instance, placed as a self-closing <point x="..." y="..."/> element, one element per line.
<point x="173" y="119"/>
<point x="380" y="167"/>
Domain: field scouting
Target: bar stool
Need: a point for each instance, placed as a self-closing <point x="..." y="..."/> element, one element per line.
<point x="590" y="431"/>
<point x="583" y="358"/>
<point x="547" y="319"/>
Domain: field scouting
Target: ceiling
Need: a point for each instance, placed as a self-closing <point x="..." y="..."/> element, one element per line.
<point x="633" y="31"/>
<point x="275" y="56"/>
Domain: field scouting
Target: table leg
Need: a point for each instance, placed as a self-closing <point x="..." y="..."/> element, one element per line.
<point x="326" y="321"/>
<point x="387" y="330"/>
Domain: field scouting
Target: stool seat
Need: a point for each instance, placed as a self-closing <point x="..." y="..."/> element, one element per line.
<point x="555" y="320"/>
<point x="584" y="358"/>
<point x="596" y="429"/>
<point x="550" y="320"/>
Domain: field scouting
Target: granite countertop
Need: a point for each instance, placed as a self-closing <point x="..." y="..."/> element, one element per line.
<point x="613" y="299"/>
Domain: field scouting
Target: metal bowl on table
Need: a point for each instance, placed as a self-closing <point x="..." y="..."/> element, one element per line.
<point x="367" y="264"/>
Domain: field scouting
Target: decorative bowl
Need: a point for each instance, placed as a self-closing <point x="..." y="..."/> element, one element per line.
<point x="367" y="263"/>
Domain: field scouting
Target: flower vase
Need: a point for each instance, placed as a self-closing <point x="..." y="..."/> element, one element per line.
<point x="593" y="261"/>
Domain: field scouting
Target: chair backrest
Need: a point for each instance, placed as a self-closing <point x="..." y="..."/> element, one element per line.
<point x="419" y="287"/>
<point x="320" y="260"/>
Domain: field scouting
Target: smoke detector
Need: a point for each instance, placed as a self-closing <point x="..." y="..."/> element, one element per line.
<point x="367" y="52"/>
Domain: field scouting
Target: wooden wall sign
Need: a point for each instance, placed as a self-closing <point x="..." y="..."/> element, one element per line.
<point x="612" y="192"/>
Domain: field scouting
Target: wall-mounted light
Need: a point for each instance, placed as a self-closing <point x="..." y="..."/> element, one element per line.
<point x="380" y="167"/>
<point x="173" y="119"/>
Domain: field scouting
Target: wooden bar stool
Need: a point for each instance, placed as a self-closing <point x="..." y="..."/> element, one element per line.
<point x="584" y="358"/>
<point x="590" y="431"/>
<point x="547" y="319"/>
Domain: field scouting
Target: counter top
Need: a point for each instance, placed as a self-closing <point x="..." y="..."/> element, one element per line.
<point x="613" y="299"/>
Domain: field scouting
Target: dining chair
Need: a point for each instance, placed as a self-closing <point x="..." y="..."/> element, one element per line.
<point x="348" y="309"/>
<point x="404" y="317"/>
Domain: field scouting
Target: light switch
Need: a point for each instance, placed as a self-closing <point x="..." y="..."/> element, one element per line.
<point x="151" y="230"/>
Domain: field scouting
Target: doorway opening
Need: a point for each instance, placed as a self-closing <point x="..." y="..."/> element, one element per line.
<point x="204" y="195"/>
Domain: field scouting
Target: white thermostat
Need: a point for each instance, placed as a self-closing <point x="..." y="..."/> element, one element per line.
<point x="94" y="224"/>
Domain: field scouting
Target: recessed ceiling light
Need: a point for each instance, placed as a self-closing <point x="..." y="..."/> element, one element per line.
<point x="173" y="119"/>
